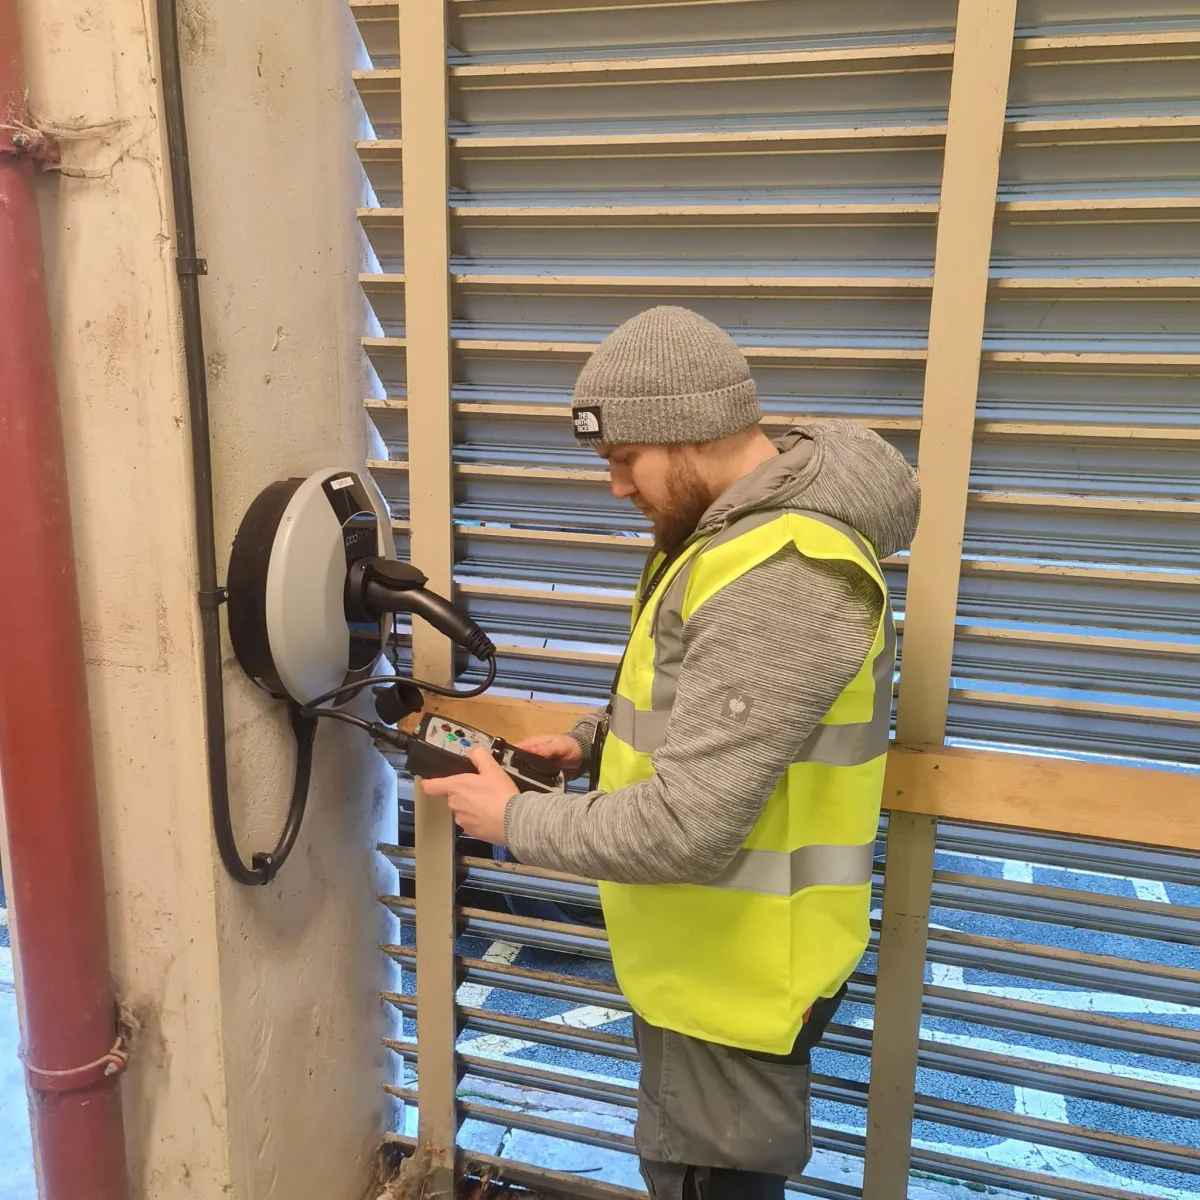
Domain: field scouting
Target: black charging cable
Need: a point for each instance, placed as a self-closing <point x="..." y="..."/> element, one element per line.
<point x="397" y="696"/>
<point x="304" y="729"/>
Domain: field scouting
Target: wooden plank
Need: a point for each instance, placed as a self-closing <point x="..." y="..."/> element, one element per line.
<point x="975" y="128"/>
<point x="970" y="172"/>
<point x="423" y="38"/>
<point x="427" y="316"/>
<point x="900" y="975"/>
<point x="1091" y="800"/>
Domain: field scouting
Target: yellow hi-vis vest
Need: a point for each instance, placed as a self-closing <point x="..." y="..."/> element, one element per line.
<point x="740" y="959"/>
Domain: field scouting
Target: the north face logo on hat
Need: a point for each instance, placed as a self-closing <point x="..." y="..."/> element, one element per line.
<point x="587" y="422"/>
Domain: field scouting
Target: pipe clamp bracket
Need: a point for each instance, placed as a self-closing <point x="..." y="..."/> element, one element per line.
<point x="26" y="141"/>
<point x="76" y="1079"/>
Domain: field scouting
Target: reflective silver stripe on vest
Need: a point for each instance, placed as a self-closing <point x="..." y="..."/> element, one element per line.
<point x="784" y="873"/>
<point x="644" y="731"/>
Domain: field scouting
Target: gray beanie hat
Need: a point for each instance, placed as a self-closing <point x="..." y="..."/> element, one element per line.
<point x="667" y="376"/>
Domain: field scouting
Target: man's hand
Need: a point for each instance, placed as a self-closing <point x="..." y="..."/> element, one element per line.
<point x="477" y="801"/>
<point x="558" y="747"/>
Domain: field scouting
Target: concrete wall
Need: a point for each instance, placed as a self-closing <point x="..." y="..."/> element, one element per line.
<point x="257" y="1073"/>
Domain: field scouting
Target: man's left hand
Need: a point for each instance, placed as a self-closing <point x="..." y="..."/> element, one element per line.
<point x="477" y="801"/>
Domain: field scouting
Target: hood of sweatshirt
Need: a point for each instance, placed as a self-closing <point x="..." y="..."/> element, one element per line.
<point x="837" y="469"/>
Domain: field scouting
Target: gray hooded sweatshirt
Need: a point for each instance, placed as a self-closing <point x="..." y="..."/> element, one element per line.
<point x="789" y="634"/>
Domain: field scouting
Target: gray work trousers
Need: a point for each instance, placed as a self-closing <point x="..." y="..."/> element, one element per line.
<point x="704" y="1106"/>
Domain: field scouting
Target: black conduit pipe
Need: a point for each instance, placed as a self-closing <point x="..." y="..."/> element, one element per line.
<point x="211" y="595"/>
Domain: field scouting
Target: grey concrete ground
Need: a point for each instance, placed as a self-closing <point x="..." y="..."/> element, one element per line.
<point x="16" y="1163"/>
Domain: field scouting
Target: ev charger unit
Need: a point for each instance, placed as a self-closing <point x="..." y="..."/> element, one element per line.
<point x="314" y="587"/>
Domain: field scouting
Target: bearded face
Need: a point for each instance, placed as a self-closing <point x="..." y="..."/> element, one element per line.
<point x="663" y="483"/>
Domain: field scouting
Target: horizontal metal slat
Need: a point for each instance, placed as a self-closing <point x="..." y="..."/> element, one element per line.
<point x="1097" y="502"/>
<point x="586" y="210"/>
<point x="824" y="1087"/>
<point x="1119" y="859"/>
<point x="545" y="935"/>
<point x="1148" y="360"/>
<point x="580" y="347"/>
<point x="936" y="1057"/>
<point x="716" y="136"/>
<point x="553" y="985"/>
<point x="1099" y="602"/>
<point x="1111" y="1088"/>
<point x="511" y="878"/>
<point x="715" y="66"/>
<point x="1092" y="972"/>
<point x="1140" y="541"/>
<point x="1120" y="915"/>
<point x="1068" y="1025"/>
<point x="759" y="151"/>
<point x="1122" y="733"/>
<point x="1176" y="985"/>
<point x="844" y="1038"/>
<point x="761" y="282"/>
<point x="515" y="1119"/>
<point x="530" y="1029"/>
<point x="1013" y="1070"/>
<point x="988" y="1175"/>
<point x="1080" y="701"/>
<point x="1005" y="638"/>
<point x="1073" y="1138"/>
<point x="1097" y="1086"/>
<point x="905" y="50"/>
<point x="533" y="1078"/>
<point x="556" y="407"/>
<point x="941" y="1165"/>
<point x="1132" y="362"/>
<point x="1089" y="971"/>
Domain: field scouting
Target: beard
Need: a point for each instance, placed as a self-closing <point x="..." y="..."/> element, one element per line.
<point x="687" y="500"/>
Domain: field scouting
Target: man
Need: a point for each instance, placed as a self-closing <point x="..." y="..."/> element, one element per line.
<point x="741" y="757"/>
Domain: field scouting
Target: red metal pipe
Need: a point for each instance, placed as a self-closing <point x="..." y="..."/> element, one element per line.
<point x="49" y="788"/>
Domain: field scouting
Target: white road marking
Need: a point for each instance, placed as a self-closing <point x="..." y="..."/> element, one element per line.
<point x="586" y="1017"/>
<point x="474" y="995"/>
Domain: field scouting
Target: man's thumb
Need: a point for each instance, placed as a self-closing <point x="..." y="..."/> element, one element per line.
<point x="485" y="764"/>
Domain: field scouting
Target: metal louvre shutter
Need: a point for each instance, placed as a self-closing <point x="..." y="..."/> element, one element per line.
<point x="1082" y="541"/>
<point x="776" y="165"/>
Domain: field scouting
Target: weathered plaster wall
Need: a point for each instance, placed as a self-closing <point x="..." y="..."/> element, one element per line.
<point x="272" y="135"/>
<point x="257" y="1074"/>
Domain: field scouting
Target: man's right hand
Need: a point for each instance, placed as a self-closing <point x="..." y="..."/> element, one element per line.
<point x="561" y="749"/>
